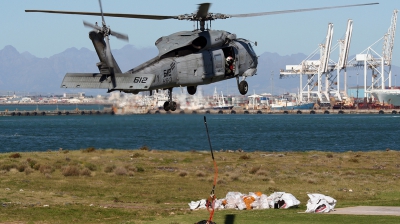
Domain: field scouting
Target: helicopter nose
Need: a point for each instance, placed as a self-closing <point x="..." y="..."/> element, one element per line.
<point x="254" y="62"/>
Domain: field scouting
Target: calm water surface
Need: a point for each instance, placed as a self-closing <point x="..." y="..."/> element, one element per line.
<point x="187" y="132"/>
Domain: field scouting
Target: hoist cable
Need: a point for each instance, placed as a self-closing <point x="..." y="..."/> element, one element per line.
<point x="211" y="199"/>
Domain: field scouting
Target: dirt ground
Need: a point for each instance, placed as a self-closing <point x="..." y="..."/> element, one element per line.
<point x="368" y="210"/>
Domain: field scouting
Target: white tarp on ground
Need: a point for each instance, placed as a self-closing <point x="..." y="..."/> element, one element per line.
<point x="319" y="203"/>
<point x="282" y="200"/>
<point x="237" y="200"/>
<point x="197" y="204"/>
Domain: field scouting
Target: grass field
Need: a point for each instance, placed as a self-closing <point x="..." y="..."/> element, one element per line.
<point x="155" y="186"/>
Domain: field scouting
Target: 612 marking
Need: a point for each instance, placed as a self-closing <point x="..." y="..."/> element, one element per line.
<point x="140" y="80"/>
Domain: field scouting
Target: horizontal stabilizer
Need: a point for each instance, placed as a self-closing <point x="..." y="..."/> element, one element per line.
<point x="123" y="81"/>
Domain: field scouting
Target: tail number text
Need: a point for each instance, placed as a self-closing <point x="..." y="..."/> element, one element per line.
<point x="140" y="80"/>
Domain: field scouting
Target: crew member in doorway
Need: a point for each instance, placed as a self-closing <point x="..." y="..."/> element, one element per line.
<point x="229" y="66"/>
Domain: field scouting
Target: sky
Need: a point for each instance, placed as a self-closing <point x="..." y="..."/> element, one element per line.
<point x="44" y="35"/>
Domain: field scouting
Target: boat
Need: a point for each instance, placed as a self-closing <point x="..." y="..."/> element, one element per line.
<point x="388" y="96"/>
<point x="218" y="102"/>
<point x="131" y="104"/>
<point x="284" y="104"/>
<point x="191" y="102"/>
<point x="160" y="97"/>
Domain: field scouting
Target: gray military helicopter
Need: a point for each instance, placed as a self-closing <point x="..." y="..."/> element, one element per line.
<point x="186" y="58"/>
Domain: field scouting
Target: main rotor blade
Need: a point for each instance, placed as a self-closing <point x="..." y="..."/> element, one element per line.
<point x="297" y="10"/>
<point x="102" y="15"/>
<point x="203" y="10"/>
<point x="136" y="16"/>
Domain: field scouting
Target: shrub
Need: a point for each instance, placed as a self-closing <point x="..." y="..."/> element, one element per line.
<point x="36" y="166"/>
<point x="311" y="181"/>
<point x="220" y="181"/>
<point x="130" y="168"/>
<point x="266" y="179"/>
<point x="45" y="169"/>
<point x="15" y="155"/>
<point x="7" y="167"/>
<point x="136" y="155"/>
<point x="71" y="171"/>
<point x="261" y="173"/>
<point x="91" y="166"/>
<point x="89" y="149"/>
<point x="28" y="170"/>
<point x="235" y="177"/>
<point x="254" y="169"/>
<point x="183" y="173"/>
<point x="354" y="160"/>
<point x="31" y="162"/>
<point x="200" y="173"/>
<point x="329" y="155"/>
<point x="144" y="148"/>
<point x="58" y="164"/>
<point x="244" y="157"/>
<point x="86" y="172"/>
<point x="21" y="167"/>
<point x="121" y="171"/>
<point x="140" y="169"/>
<point x="109" y="169"/>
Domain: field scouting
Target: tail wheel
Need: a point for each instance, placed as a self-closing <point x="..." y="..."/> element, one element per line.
<point x="243" y="87"/>
<point x="173" y="106"/>
<point x="166" y="106"/>
<point x="191" y="89"/>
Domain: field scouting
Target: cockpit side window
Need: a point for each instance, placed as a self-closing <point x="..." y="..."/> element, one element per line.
<point x="218" y="61"/>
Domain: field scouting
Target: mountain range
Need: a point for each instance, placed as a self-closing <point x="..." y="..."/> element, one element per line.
<point x="24" y="72"/>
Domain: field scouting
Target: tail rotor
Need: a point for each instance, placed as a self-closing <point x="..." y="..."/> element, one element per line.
<point x="105" y="31"/>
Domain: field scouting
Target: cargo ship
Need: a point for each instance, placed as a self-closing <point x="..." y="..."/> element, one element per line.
<point x="387" y="96"/>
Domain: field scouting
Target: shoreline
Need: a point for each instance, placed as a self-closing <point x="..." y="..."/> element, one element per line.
<point x="141" y="110"/>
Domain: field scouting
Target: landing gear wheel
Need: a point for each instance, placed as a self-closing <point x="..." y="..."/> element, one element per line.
<point x="191" y="89"/>
<point x="166" y="106"/>
<point x="243" y="87"/>
<point x="172" y="106"/>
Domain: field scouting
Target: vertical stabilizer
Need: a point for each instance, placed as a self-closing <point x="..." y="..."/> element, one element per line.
<point x="106" y="67"/>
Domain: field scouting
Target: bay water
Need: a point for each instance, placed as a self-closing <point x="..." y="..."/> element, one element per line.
<point x="185" y="132"/>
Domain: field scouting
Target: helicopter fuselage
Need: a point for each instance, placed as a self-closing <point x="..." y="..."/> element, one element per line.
<point x="197" y="62"/>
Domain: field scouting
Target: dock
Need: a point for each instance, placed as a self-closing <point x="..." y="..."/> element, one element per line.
<point x="56" y="112"/>
<point x="266" y="111"/>
<point x="200" y="111"/>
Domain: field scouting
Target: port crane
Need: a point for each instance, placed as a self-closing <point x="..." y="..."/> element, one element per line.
<point x="321" y="81"/>
<point x="324" y="83"/>
<point x="379" y="64"/>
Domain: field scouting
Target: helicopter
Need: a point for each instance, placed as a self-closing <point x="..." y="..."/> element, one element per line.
<point x="185" y="59"/>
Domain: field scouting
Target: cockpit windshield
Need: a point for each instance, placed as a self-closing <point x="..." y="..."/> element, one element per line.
<point x="252" y="52"/>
